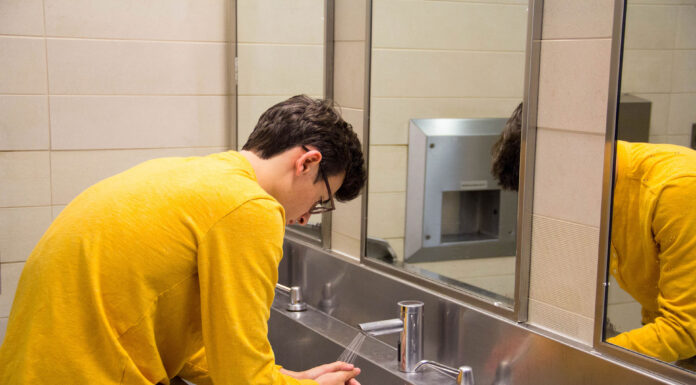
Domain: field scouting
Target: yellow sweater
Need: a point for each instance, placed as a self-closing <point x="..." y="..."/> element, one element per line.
<point x="653" y="246"/>
<point x="145" y="269"/>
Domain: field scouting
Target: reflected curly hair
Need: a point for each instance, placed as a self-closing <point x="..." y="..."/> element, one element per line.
<point x="506" y="152"/>
<point x="302" y="120"/>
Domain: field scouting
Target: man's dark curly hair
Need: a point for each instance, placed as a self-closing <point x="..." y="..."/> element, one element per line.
<point x="506" y="152"/>
<point x="302" y="120"/>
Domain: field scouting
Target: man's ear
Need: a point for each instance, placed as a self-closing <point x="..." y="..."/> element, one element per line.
<point x="306" y="161"/>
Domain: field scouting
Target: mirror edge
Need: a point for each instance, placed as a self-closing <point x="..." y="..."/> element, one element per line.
<point x="518" y="312"/>
<point x="605" y="348"/>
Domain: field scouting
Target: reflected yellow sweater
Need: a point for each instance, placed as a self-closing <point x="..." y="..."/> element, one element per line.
<point x="653" y="246"/>
<point x="145" y="269"/>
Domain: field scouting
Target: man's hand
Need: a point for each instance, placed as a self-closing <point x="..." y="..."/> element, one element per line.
<point x="336" y="373"/>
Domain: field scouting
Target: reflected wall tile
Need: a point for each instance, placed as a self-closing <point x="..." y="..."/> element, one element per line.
<point x="20" y="230"/>
<point x="260" y="74"/>
<point x="449" y="25"/>
<point x="651" y="26"/>
<point x="682" y="113"/>
<point x="104" y="67"/>
<point x="659" y="112"/>
<point x="25" y="179"/>
<point x="350" y="16"/>
<point x="387" y="168"/>
<point x="56" y="209"/>
<point x="625" y="316"/>
<point x="23" y="122"/>
<point x="74" y="171"/>
<point x="577" y="19"/>
<point x="138" y="121"/>
<point x="154" y="19"/>
<point x="573" y="80"/>
<point x="21" y="17"/>
<point x="647" y="71"/>
<point x="397" y="245"/>
<point x="3" y="328"/>
<point x="615" y="294"/>
<point x="347" y="218"/>
<point x="564" y="264"/>
<point x="9" y="278"/>
<point x="390" y="119"/>
<point x="679" y="140"/>
<point x="386" y="215"/>
<point x="355" y="118"/>
<point x="349" y="74"/>
<point x="345" y="244"/>
<point x="295" y="22"/>
<point x="561" y="321"/>
<point x="412" y="73"/>
<point x="568" y="176"/>
<point x="22" y="65"/>
<point x="686" y="29"/>
<point x="684" y="71"/>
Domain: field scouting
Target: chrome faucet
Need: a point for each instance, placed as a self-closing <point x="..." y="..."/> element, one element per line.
<point x="464" y="375"/>
<point x="410" y="325"/>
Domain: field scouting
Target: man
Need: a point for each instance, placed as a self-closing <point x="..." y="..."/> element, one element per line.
<point x="169" y="268"/>
<point x="653" y="237"/>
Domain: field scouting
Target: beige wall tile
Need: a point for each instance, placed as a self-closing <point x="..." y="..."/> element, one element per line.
<point x="344" y="244"/>
<point x="294" y="22"/>
<point x="390" y="116"/>
<point x="468" y="268"/>
<point x="624" y="316"/>
<point x="23" y="122"/>
<point x="499" y="284"/>
<point x="387" y="168"/>
<point x="347" y="217"/>
<point x="658" y="139"/>
<point x="568" y="176"/>
<point x="301" y="73"/>
<point x="128" y="67"/>
<point x="3" y="328"/>
<point x="355" y="118"/>
<point x="22" y="65"/>
<point x="659" y="112"/>
<point x="21" y="17"/>
<point x="74" y="171"/>
<point x="386" y="215"/>
<point x="682" y="113"/>
<point x="615" y="294"/>
<point x="679" y="140"/>
<point x="449" y="25"/>
<point x="25" y="179"/>
<point x="10" y="277"/>
<point x="98" y="122"/>
<point x="577" y="19"/>
<point x="399" y="73"/>
<point x="559" y="321"/>
<point x="650" y="26"/>
<point x="684" y="71"/>
<point x="249" y="110"/>
<point x="564" y="264"/>
<point x="349" y="74"/>
<point x="573" y="85"/>
<point x="134" y="19"/>
<point x="20" y="230"/>
<point x="56" y="209"/>
<point x="350" y="17"/>
<point x="646" y="71"/>
<point x="686" y="28"/>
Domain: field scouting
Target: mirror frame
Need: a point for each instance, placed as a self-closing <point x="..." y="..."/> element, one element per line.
<point x="605" y="348"/>
<point x="525" y="194"/>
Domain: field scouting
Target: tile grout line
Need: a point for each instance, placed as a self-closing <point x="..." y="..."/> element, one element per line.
<point x="48" y="103"/>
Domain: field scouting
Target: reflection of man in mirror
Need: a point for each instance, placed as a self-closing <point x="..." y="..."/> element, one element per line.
<point x="653" y="237"/>
<point x="653" y="246"/>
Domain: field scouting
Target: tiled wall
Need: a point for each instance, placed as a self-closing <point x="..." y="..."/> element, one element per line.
<point x="660" y="52"/>
<point x="572" y="105"/>
<point x="280" y="45"/>
<point x="88" y="89"/>
<point x="434" y="59"/>
<point x="349" y="93"/>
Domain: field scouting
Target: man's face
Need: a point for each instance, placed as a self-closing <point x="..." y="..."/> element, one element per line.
<point x="309" y="194"/>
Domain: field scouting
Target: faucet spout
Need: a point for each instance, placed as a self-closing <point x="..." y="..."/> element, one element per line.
<point x="379" y="328"/>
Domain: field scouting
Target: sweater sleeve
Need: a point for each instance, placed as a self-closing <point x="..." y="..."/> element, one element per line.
<point x="237" y="268"/>
<point x="672" y="335"/>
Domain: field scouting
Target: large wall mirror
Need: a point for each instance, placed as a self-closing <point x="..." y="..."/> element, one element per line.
<point x="445" y="77"/>
<point x="650" y="253"/>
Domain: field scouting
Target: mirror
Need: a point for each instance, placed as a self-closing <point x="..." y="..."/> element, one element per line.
<point x="264" y="31"/>
<point x="445" y="76"/>
<point x="651" y="295"/>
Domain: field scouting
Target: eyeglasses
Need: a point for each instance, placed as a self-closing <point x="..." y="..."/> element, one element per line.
<point x="327" y="205"/>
